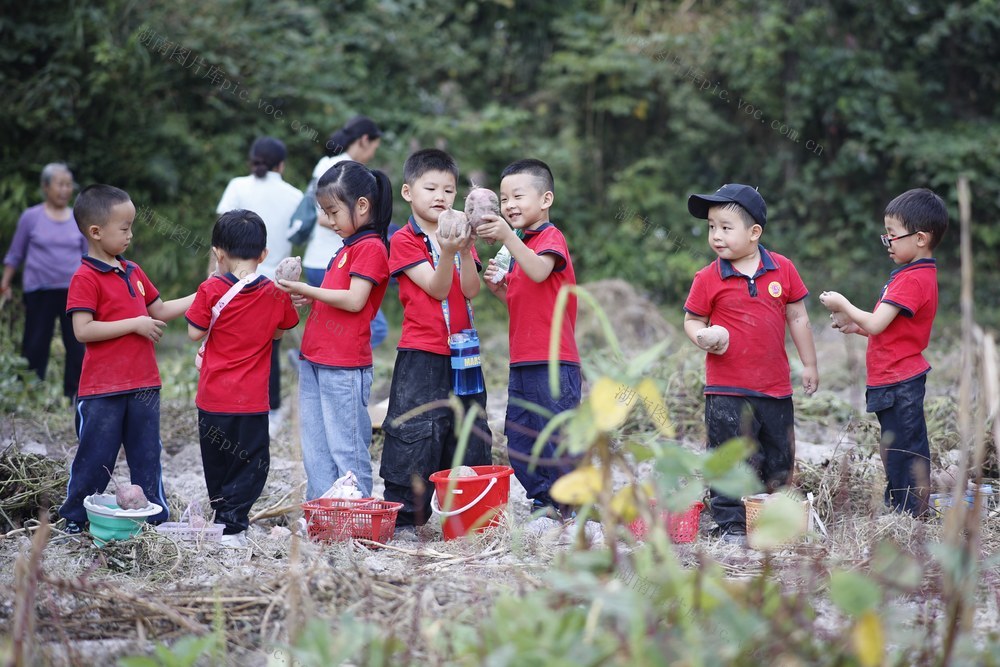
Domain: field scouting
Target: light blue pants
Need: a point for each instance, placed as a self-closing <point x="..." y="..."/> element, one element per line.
<point x="336" y="427"/>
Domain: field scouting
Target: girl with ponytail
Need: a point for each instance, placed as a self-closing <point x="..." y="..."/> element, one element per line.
<point x="335" y="372"/>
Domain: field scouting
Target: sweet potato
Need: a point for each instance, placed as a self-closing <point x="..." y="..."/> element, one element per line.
<point x="462" y="471"/>
<point x="290" y="268"/>
<point x="130" y="497"/>
<point x="451" y="223"/>
<point x="480" y="202"/>
<point x="715" y="336"/>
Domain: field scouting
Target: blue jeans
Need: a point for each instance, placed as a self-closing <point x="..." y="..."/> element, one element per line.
<point x="336" y="427"/>
<point x="903" y="446"/>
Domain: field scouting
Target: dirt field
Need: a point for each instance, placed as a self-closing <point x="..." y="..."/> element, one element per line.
<point x="96" y="605"/>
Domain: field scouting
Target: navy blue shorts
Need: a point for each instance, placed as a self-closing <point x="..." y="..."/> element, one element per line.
<point x="106" y="424"/>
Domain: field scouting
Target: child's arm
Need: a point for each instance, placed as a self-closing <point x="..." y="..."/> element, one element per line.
<point x="352" y="299"/>
<point x="437" y="281"/>
<point x="499" y="289"/>
<point x="170" y="310"/>
<point x="870" y="323"/>
<point x="536" y="267"/>
<point x="196" y="334"/>
<point x="88" y="330"/>
<point x="469" y="274"/>
<point x="695" y="325"/>
<point x="798" y="325"/>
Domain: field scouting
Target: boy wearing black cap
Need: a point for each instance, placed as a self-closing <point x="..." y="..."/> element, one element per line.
<point x="747" y="295"/>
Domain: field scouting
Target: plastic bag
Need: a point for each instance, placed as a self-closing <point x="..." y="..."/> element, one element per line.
<point x="345" y="487"/>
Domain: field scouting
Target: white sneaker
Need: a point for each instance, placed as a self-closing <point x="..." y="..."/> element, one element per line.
<point x="235" y="541"/>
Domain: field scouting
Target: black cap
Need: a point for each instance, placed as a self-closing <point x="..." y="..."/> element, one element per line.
<point x="744" y="195"/>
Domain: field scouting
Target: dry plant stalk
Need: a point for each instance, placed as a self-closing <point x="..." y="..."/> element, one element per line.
<point x="27" y="570"/>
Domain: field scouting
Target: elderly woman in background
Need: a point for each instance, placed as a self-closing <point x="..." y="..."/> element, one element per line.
<point x="49" y="245"/>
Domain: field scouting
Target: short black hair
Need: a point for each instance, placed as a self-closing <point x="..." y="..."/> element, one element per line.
<point x="748" y="220"/>
<point x="240" y="233"/>
<point x="537" y="169"/>
<point x="94" y="205"/>
<point x="428" y="159"/>
<point x="920" y="210"/>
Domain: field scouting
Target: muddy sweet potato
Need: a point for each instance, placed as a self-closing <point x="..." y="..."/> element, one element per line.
<point x="290" y="268"/>
<point x="480" y="202"/>
<point x="713" y="337"/>
<point x="451" y="223"/>
<point x="130" y="497"/>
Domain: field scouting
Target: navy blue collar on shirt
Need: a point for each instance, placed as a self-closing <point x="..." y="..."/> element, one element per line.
<point x="925" y="263"/>
<point x="726" y="269"/>
<point x="360" y="235"/>
<point x="103" y="267"/>
<point x="232" y="279"/>
<point x="537" y="230"/>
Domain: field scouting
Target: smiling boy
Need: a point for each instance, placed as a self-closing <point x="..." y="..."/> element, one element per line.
<point x="754" y="294"/>
<point x="541" y="267"/>
<point x="915" y="222"/>
<point x="119" y="316"/>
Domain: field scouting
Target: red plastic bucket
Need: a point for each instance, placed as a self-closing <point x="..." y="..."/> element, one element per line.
<point x="470" y="503"/>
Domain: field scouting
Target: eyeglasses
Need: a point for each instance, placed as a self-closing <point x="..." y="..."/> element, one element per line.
<point x="887" y="240"/>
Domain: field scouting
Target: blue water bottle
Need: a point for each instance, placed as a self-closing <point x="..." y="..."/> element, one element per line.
<point x="466" y="365"/>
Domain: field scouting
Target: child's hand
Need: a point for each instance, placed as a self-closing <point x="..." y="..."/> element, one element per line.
<point x="147" y="327"/>
<point x="810" y="380"/>
<point x="843" y="324"/>
<point x="290" y="286"/>
<point x="300" y="301"/>
<point x="492" y="270"/>
<point x="834" y="301"/>
<point x="713" y="339"/>
<point x="494" y="228"/>
<point x="457" y="239"/>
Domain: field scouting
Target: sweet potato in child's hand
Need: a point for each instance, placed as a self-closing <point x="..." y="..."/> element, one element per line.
<point x="290" y="268"/>
<point x="451" y="223"/>
<point x="714" y="338"/>
<point x="130" y="497"/>
<point x="480" y="202"/>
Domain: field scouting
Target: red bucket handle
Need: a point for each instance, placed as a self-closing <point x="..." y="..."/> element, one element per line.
<point x="437" y="508"/>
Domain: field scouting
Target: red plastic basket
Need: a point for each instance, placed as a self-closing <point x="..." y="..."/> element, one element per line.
<point x="339" y="519"/>
<point x="682" y="527"/>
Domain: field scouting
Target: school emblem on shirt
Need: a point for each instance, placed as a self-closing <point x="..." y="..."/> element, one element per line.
<point x="343" y="260"/>
<point x="139" y="286"/>
<point x="774" y="289"/>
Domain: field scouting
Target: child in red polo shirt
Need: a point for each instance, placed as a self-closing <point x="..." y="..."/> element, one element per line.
<point x="232" y="395"/>
<point x="915" y="222"/>
<point x="335" y="372"/>
<point x="752" y="293"/>
<point x="541" y="266"/>
<point x="119" y="316"/>
<point x="438" y="275"/>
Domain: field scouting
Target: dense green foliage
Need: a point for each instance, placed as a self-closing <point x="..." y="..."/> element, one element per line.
<point x="831" y="106"/>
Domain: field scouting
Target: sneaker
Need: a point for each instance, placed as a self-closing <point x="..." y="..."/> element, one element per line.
<point x="235" y="541"/>
<point x="542" y="509"/>
<point x="731" y="534"/>
<point x="74" y="527"/>
<point x="405" y="534"/>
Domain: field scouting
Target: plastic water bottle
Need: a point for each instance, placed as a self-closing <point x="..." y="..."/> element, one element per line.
<point x="502" y="260"/>
<point x="466" y="364"/>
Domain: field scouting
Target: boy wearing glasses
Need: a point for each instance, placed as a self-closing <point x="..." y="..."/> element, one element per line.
<point x="915" y="222"/>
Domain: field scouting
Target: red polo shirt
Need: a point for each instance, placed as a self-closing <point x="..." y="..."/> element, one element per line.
<point x="896" y="354"/>
<point x="532" y="305"/>
<point x="423" y="318"/>
<point x="336" y="337"/>
<point x="118" y="365"/>
<point x="753" y="310"/>
<point x="237" y="363"/>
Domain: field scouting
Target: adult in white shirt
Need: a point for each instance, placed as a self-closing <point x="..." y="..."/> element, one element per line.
<point x="357" y="140"/>
<point x="265" y="193"/>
